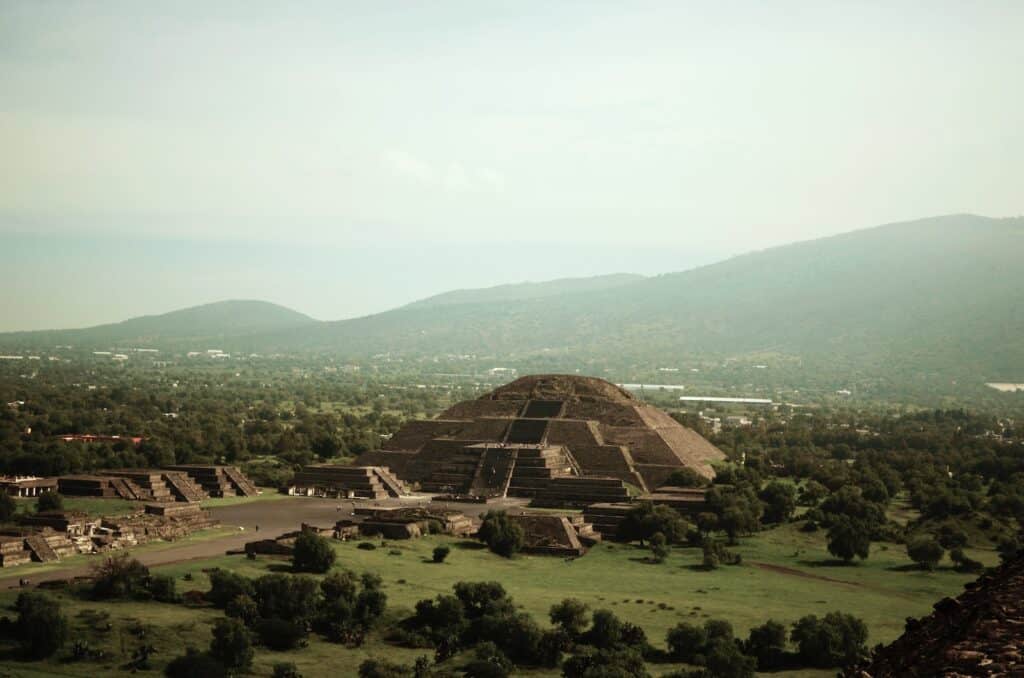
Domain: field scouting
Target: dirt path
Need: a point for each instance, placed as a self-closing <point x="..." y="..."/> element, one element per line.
<point x="793" y="572"/>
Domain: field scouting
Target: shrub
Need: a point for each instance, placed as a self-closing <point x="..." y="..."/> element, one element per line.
<point x="767" y="644"/>
<point x="340" y="584"/>
<point x="231" y="644"/>
<point x="195" y="664"/>
<point x="686" y="477"/>
<point x="779" y="501"/>
<point x="243" y="608"/>
<point x="279" y="634"/>
<point x="312" y="553"/>
<point x="163" y="588"/>
<point x="8" y="507"/>
<point x="925" y="551"/>
<point x="225" y="586"/>
<point x="41" y="628"/>
<point x="647" y="519"/>
<point x="380" y="668"/>
<point x="286" y="670"/>
<point x="965" y="563"/>
<point x="686" y="642"/>
<point x="570" y="615"/>
<point x="838" y="639"/>
<point x="501" y="535"/>
<point x="617" y="663"/>
<point x="50" y="501"/>
<point x="440" y="553"/>
<point x="120" y="576"/>
<point x="605" y="630"/>
<point x="848" y="538"/>
<point x="290" y="597"/>
<point x="659" y="548"/>
<point x="725" y="660"/>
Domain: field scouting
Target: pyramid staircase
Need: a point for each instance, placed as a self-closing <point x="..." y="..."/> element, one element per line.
<point x="535" y="467"/>
<point x="243" y="485"/>
<point x="40" y="549"/>
<point x="394" y="486"/>
<point x="183" y="488"/>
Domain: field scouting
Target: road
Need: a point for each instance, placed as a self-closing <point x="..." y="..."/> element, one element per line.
<point x="272" y="518"/>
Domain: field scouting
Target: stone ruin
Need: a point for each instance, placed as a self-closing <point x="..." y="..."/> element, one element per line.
<point x="412" y="522"/>
<point x="54" y="535"/>
<point x="564" y="440"/>
<point x="351" y="482"/>
<point x="979" y="633"/>
<point x="185" y="483"/>
<point x="555" y="535"/>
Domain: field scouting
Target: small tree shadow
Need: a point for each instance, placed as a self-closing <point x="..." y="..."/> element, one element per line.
<point x="828" y="562"/>
<point x="468" y="545"/>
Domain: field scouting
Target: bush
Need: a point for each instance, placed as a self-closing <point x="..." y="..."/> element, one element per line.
<point x="570" y="615"/>
<point x="686" y="477"/>
<point x="50" y="501"/>
<point x="243" y="608"/>
<point x="925" y="551"/>
<point x="380" y="668"/>
<point x="963" y="562"/>
<point x="687" y="642"/>
<point x="195" y="664"/>
<point x="120" y="576"/>
<point x="440" y="553"/>
<point x="848" y="538"/>
<point x="647" y="519"/>
<point x="8" y="507"/>
<point x="312" y="553"/>
<point x="659" y="549"/>
<point x="225" y="586"/>
<point x="231" y="644"/>
<point x="725" y="660"/>
<point x="279" y="634"/>
<point x="617" y="663"/>
<point x="41" y="628"/>
<point x="290" y="597"/>
<point x="501" y="535"/>
<point x="836" y="640"/>
<point x="767" y="644"/>
<point x="286" y="670"/>
<point x="163" y="588"/>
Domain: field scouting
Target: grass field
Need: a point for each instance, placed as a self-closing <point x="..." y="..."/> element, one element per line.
<point x="786" y="574"/>
<point x="93" y="506"/>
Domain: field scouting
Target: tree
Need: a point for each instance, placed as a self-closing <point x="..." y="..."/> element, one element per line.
<point x="686" y="642"/>
<point x="195" y="664"/>
<point x="780" y="501"/>
<point x="8" y="507"/>
<point x="767" y="643"/>
<point x="725" y="660"/>
<point x="659" y="548"/>
<point x="225" y="586"/>
<point x="50" y="501"/>
<point x="501" y="535"/>
<point x="647" y="519"/>
<point x="41" y="627"/>
<point x="686" y="477"/>
<point x="279" y="634"/>
<point x="570" y="615"/>
<point x="838" y="639"/>
<point x="120" y="576"/>
<point x="925" y="551"/>
<point x="605" y="630"/>
<point x="231" y="644"/>
<point x="243" y="608"/>
<point x="286" y="670"/>
<point x="848" y="538"/>
<point x="811" y="493"/>
<point x="312" y="553"/>
<point x="440" y="553"/>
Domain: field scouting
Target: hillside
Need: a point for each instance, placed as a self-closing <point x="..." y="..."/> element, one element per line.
<point x="223" y="319"/>
<point x="921" y="304"/>
<point x="940" y="295"/>
<point x="527" y="290"/>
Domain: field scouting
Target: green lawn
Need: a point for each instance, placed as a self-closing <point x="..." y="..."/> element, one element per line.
<point x="94" y="506"/>
<point x="785" y="575"/>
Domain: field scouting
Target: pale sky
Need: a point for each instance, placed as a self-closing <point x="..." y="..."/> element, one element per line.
<point x="341" y="158"/>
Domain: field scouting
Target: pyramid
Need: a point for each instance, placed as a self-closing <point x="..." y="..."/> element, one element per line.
<point x="519" y="438"/>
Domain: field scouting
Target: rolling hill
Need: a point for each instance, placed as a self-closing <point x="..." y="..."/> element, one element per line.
<point x="942" y="294"/>
<point x="939" y="298"/>
<point x="222" y="319"/>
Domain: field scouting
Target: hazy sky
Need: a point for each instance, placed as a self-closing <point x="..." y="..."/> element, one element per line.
<point x="341" y="158"/>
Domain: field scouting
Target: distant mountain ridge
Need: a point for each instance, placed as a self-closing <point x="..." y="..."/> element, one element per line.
<point x="939" y="297"/>
<point x="233" y="318"/>
<point x="528" y="290"/>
